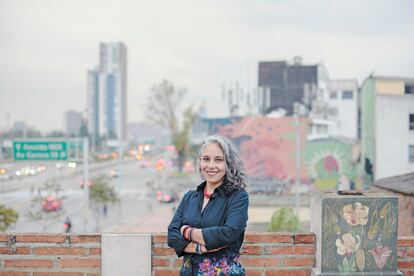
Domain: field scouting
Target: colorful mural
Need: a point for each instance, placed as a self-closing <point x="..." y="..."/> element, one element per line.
<point x="268" y="145"/>
<point x="329" y="164"/>
<point x="268" y="148"/>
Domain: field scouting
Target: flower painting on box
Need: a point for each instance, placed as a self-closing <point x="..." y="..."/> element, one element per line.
<point x="359" y="235"/>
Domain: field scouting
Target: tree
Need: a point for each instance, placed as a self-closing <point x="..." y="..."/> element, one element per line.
<point x="284" y="220"/>
<point x="43" y="217"/>
<point x="8" y="216"/>
<point x="100" y="195"/>
<point x="162" y="108"/>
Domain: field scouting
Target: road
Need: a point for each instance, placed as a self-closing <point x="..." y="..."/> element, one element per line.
<point x="138" y="211"/>
<point x="138" y="201"/>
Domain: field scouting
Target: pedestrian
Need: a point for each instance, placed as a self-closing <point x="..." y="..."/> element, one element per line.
<point x="105" y="210"/>
<point x="67" y="225"/>
<point x="209" y="224"/>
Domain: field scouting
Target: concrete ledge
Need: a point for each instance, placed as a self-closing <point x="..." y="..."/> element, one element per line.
<point x="126" y="254"/>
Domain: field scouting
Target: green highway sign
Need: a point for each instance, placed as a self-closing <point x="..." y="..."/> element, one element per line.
<point x="39" y="150"/>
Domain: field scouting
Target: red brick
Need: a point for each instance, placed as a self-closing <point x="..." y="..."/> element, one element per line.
<point x="299" y="262"/>
<point x="283" y="250"/>
<point x="408" y="273"/>
<point x="304" y="250"/>
<point x="9" y="273"/>
<point x="304" y="272"/>
<point x="409" y="253"/>
<point x="161" y="262"/>
<point x="263" y="237"/>
<point x="58" y="274"/>
<point x="178" y="262"/>
<point x="169" y="272"/>
<point x="21" y="250"/>
<point x="60" y="251"/>
<point x="80" y="263"/>
<point x="304" y="238"/>
<point x="28" y="263"/>
<point x="408" y="264"/>
<point x="259" y="262"/>
<point x="41" y="238"/>
<point x="94" y="251"/>
<point x="85" y="238"/>
<point x="159" y="238"/>
<point x="161" y="251"/>
<point x="405" y="241"/>
<point x="401" y="253"/>
<point x="251" y="250"/>
<point x="4" y="238"/>
<point x="251" y="272"/>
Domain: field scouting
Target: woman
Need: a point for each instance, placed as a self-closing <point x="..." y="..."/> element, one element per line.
<point x="208" y="226"/>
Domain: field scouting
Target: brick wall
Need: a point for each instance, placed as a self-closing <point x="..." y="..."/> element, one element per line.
<point x="406" y="255"/>
<point x="50" y="255"/>
<point x="263" y="254"/>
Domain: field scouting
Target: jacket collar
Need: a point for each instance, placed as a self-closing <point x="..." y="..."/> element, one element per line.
<point x="219" y="190"/>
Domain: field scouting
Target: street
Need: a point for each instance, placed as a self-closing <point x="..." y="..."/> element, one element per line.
<point x="138" y="201"/>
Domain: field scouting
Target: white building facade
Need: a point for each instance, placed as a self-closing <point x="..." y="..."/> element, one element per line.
<point x="343" y="107"/>
<point x="394" y="145"/>
<point x="387" y="125"/>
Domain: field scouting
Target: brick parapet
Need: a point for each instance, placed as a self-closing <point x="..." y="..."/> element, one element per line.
<point x="262" y="254"/>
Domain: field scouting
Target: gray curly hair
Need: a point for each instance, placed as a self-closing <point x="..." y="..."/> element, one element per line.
<point x="235" y="172"/>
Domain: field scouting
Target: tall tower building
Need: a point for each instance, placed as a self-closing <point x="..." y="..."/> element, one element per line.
<point x="107" y="94"/>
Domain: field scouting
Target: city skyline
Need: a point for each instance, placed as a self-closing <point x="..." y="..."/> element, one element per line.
<point x="47" y="48"/>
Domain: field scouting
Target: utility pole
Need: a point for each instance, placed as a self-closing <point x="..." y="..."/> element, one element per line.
<point x="298" y="156"/>
<point x="85" y="182"/>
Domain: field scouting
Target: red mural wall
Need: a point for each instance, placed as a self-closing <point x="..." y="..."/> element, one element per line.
<point x="268" y="145"/>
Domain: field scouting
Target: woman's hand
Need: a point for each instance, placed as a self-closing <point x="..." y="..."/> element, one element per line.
<point x="182" y="228"/>
<point x="191" y="248"/>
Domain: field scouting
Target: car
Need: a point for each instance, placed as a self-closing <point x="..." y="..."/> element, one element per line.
<point x="114" y="173"/>
<point x="51" y="204"/>
<point x="145" y="164"/>
<point x="166" y="197"/>
<point x="90" y="183"/>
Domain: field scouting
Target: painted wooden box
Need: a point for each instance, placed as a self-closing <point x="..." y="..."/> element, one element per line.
<point x="356" y="233"/>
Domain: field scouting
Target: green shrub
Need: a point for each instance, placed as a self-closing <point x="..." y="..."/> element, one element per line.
<point x="8" y="216"/>
<point x="284" y="220"/>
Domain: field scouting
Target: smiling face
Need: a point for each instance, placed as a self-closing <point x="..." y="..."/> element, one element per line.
<point x="213" y="164"/>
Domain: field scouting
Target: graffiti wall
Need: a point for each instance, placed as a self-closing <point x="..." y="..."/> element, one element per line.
<point x="329" y="163"/>
<point x="268" y="147"/>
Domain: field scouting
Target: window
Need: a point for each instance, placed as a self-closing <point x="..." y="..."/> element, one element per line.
<point x="409" y="89"/>
<point x="347" y="95"/>
<point x="411" y="122"/>
<point x="334" y="94"/>
<point x="411" y="153"/>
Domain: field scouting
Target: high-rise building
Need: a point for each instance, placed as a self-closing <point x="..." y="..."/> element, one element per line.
<point x="282" y="84"/>
<point x="107" y="94"/>
<point x="73" y="123"/>
<point x="387" y="126"/>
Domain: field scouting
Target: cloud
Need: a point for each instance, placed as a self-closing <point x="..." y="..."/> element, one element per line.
<point x="48" y="46"/>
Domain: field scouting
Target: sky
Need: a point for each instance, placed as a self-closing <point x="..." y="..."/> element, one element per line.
<point x="47" y="46"/>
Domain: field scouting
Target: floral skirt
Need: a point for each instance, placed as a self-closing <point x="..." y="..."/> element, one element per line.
<point x="223" y="266"/>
